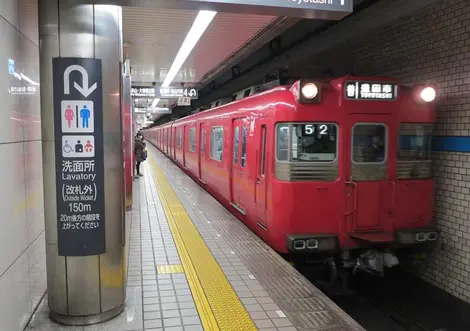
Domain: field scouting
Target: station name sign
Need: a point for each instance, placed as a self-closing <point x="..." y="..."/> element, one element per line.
<point x="143" y="92"/>
<point x="319" y="9"/>
<point x="175" y="92"/>
<point x="366" y="90"/>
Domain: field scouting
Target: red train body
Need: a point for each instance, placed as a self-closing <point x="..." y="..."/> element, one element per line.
<point x="346" y="172"/>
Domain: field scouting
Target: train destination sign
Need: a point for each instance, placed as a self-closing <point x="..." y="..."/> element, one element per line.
<point x="177" y="92"/>
<point x="79" y="160"/>
<point x="362" y="90"/>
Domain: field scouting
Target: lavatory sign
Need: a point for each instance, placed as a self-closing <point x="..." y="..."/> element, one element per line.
<point x="78" y="126"/>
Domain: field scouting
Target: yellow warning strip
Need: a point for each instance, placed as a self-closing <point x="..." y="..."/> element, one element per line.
<point x="217" y="303"/>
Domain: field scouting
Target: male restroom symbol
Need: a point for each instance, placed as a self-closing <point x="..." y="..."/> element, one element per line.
<point x="85" y="115"/>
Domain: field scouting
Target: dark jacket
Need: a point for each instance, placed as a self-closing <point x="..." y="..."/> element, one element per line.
<point x="139" y="147"/>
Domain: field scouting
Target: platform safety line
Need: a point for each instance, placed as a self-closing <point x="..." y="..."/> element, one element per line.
<point x="218" y="305"/>
<point x="202" y="304"/>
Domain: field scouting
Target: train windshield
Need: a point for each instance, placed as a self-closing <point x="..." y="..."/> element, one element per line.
<point x="415" y="142"/>
<point x="314" y="142"/>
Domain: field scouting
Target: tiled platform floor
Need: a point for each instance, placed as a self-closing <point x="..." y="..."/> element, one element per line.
<point x="275" y="295"/>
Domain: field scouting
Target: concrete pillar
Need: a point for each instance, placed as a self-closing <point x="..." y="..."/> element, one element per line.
<point x="86" y="243"/>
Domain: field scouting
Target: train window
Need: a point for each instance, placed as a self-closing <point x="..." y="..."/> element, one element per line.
<point x="217" y="143"/>
<point x="236" y="141"/>
<point x="369" y="143"/>
<point x="203" y="141"/>
<point x="263" y="150"/>
<point x="247" y="93"/>
<point x="180" y="137"/>
<point x="312" y="142"/>
<point x="192" y="139"/>
<point x="243" y="160"/>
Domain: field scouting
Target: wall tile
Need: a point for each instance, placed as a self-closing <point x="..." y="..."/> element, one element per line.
<point x="11" y="117"/>
<point x="13" y="229"/>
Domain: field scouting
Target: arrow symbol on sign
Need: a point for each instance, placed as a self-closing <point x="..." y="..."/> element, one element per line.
<point x="85" y="90"/>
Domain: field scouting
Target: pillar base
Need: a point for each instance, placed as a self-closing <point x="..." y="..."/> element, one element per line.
<point x="86" y="320"/>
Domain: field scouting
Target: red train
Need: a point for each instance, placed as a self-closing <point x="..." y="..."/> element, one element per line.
<point x="339" y="167"/>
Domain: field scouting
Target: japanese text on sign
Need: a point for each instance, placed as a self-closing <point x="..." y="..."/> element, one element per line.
<point x="143" y="92"/>
<point x="370" y="91"/>
<point x="174" y="92"/>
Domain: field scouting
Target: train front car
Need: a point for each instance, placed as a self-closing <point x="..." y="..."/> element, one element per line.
<point x="353" y="171"/>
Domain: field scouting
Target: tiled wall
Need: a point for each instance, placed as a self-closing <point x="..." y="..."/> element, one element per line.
<point x="22" y="244"/>
<point x="432" y="46"/>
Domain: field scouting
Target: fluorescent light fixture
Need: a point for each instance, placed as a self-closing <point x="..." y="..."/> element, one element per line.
<point x="200" y="24"/>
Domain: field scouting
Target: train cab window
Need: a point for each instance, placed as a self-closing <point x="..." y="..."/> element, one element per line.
<point x="192" y="139"/>
<point x="180" y="138"/>
<point x="307" y="142"/>
<point x="369" y="143"/>
<point x="247" y="93"/>
<point x="236" y="142"/>
<point x="414" y="151"/>
<point x="217" y="143"/>
<point x="203" y="141"/>
<point x="243" y="158"/>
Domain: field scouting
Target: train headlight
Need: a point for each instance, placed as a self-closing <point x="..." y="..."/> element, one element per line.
<point x="309" y="91"/>
<point x="428" y="94"/>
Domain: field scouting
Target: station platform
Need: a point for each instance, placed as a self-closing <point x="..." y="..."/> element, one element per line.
<point x="193" y="266"/>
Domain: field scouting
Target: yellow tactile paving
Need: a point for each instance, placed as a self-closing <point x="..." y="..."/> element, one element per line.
<point x="217" y="303"/>
<point x="169" y="269"/>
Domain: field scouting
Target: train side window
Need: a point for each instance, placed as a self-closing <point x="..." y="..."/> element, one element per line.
<point x="243" y="160"/>
<point x="263" y="150"/>
<point x="369" y="143"/>
<point x="236" y="141"/>
<point x="180" y="138"/>
<point x="247" y="93"/>
<point x="203" y="141"/>
<point x="217" y="143"/>
<point x="192" y="139"/>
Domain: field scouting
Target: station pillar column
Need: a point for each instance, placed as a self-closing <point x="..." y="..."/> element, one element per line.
<point x="81" y="120"/>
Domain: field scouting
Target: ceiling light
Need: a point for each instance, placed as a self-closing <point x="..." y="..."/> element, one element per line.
<point x="200" y="24"/>
<point x="202" y="21"/>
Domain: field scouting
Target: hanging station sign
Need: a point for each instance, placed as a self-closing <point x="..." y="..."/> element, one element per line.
<point x="176" y="92"/>
<point x="143" y="92"/>
<point x="367" y="90"/>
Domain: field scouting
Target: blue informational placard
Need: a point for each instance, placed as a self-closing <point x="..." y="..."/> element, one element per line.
<point x="78" y="125"/>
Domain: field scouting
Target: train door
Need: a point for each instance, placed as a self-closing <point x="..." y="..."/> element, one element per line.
<point x="368" y="195"/>
<point x="173" y="143"/>
<point x="202" y="150"/>
<point x="260" y="187"/>
<point x="239" y="172"/>
<point x="183" y="145"/>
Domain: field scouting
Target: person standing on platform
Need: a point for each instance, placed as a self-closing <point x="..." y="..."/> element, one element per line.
<point x="140" y="153"/>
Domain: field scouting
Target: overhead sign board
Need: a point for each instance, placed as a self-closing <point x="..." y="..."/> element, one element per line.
<point x="314" y="9"/>
<point x="368" y="90"/>
<point x="79" y="156"/>
<point x="143" y="92"/>
<point x="184" y="101"/>
<point x="161" y="110"/>
<point x="176" y="92"/>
